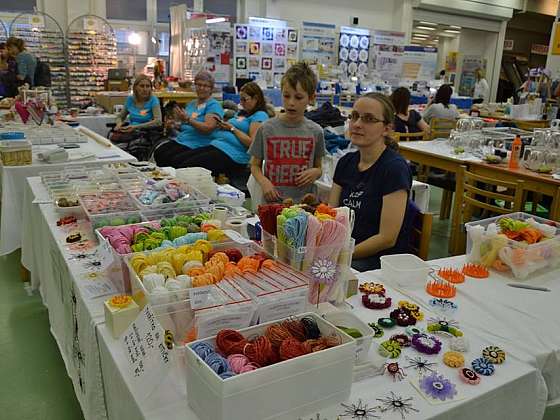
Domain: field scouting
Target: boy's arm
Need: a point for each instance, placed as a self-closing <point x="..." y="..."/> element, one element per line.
<point x="269" y="191"/>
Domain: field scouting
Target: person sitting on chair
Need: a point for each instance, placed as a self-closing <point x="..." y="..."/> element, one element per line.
<point x="142" y="108"/>
<point x="406" y="120"/>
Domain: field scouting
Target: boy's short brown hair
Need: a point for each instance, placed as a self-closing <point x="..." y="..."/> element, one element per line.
<point x="302" y="73"/>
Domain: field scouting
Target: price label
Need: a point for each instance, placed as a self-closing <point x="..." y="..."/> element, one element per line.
<point x="148" y="358"/>
<point x="200" y="297"/>
<point x="282" y="309"/>
<point x="98" y="288"/>
<point x="210" y="324"/>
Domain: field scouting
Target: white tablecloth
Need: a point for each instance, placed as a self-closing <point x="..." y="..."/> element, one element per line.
<point x="526" y="321"/>
<point x="13" y="181"/>
<point x="72" y="317"/>
<point x="516" y="391"/>
<point x="97" y="123"/>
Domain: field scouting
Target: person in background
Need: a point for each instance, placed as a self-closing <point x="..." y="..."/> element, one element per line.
<point x="26" y="62"/>
<point x="8" y="73"/>
<point x="227" y="152"/>
<point x="171" y="121"/>
<point x="538" y="82"/>
<point x="375" y="182"/>
<point x="481" y="88"/>
<point x="141" y="108"/>
<point x="198" y="120"/>
<point x="440" y="106"/>
<point x="290" y="145"/>
<point x="406" y="120"/>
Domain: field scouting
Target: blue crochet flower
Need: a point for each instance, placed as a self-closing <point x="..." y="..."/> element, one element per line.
<point x="483" y="366"/>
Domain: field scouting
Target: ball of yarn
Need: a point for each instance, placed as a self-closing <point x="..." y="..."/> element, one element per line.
<point x="153" y="280"/>
<point x="230" y="342"/>
<point x="295" y="328"/>
<point x="217" y="363"/>
<point x="185" y="281"/>
<point x="311" y="346"/>
<point x="173" y="285"/>
<point x="190" y="264"/>
<point x="226" y="375"/>
<point x="240" y="363"/>
<point x="202" y="350"/>
<point x="311" y="328"/>
<point x="291" y="348"/>
<point x="259" y="351"/>
<point x="276" y="333"/>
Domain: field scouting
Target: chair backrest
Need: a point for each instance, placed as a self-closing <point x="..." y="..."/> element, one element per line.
<point x="421" y="231"/>
<point x="409" y="136"/>
<point x="486" y="194"/>
<point x="441" y="127"/>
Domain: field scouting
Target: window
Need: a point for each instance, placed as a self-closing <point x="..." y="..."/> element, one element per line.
<point x="222" y="7"/>
<point x="126" y="9"/>
<point x="163" y="44"/>
<point x="18" y="5"/>
<point x="124" y="47"/>
<point x="164" y="5"/>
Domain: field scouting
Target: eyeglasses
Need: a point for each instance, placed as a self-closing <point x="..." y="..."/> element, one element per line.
<point x="366" y="118"/>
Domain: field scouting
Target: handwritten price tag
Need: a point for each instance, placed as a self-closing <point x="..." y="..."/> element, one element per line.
<point x="148" y="358"/>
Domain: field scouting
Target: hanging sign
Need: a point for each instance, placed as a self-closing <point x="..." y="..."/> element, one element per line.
<point x="508" y="45"/>
<point x="389" y="38"/>
<point x="539" y="49"/>
<point x="37" y="21"/>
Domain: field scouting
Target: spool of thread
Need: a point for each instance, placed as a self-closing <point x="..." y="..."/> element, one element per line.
<point x="237" y="225"/>
<point x="220" y="213"/>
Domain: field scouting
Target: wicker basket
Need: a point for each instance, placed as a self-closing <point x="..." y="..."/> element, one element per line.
<point x="16" y="154"/>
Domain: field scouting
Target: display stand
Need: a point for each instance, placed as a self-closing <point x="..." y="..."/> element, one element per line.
<point x="3" y="32"/>
<point x="196" y="45"/>
<point x="44" y="38"/>
<point x="92" y="51"/>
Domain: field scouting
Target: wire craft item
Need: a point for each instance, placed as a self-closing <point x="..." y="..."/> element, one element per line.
<point x="397" y="404"/>
<point x="394" y="370"/>
<point x="360" y="411"/>
<point x="422" y="366"/>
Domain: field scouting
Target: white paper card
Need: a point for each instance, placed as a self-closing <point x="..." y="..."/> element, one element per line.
<point x="97" y="288"/>
<point x="209" y="324"/>
<point x="147" y="356"/>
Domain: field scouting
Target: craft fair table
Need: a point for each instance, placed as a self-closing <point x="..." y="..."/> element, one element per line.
<point x="97" y="123"/>
<point x="489" y="313"/>
<point x="516" y="391"/>
<point x="439" y="154"/>
<point x="524" y="321"/>
<point x="13" y="183"/>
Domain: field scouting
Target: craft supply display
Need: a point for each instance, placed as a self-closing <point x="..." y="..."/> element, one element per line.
<point x="313" y="239"/>
<point x="92" y="51"/>
<point x="353" y="51"/>
<point x="150" y="194"/>
<point x="44" y="38"/>
<point x="519" y="244"/>
<point x="264" y="53"/>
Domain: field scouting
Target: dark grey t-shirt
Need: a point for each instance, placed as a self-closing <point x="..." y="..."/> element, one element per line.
<point x="287" y="149"/>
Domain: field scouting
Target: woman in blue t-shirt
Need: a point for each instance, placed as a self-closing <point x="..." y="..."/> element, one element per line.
<point x="198" y="120"/>
<point x="227" y="152"/>
<point x="375" y="182"/>
<point x="142" y="108"/>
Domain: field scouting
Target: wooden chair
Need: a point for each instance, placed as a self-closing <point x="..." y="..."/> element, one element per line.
<point x="421" y="234"/>
<point x="441" y="127"/>
<point x="480" y="192"/>
<point x="409" y="136"/>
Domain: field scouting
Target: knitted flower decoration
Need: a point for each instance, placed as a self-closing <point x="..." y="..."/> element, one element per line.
<point x="390" y="349"/>
<point x="483" y="366"/>
<point x="438" y="387"/>
<point x="469" y="376"/>
<point x="376" y="301"/>
<point x="453" y="359"/>
<point x="403" y="317"/>
<point x="494" y="355"/>
<point x="427" y="344"/>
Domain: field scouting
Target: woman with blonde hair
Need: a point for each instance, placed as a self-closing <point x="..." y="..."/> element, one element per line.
<point x="375" y="182"/>
<point x="141" y="108"/>
<point x="26" y="62"/>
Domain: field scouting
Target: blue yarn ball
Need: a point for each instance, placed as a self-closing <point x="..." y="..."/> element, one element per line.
<point x="227" y="374"/>
<point x="203" y="350"/>
<point x="190" y="238"/>
<point x="217" y="363"/>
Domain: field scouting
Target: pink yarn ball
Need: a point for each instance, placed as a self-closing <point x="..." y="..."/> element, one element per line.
<point x="240" y="364"/>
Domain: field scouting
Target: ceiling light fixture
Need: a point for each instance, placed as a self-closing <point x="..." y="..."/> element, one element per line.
<point x="452" y="31"/>
<point x="426" y="28"/>
<point x="454" y="27"/>
<point x="428" y="23"/>
<point x="216" y="20"/>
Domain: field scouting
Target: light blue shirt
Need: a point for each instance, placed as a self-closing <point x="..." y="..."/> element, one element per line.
<point x="228" y="142"/>
<point x="143" y="114"/>
<point x="26" y="65"/>
<point x="190" y="136"/>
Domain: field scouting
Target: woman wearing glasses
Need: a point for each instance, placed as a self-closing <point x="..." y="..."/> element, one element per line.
<point x="375" y="182"/>
<point x="198" y="120"/>
<point x="227" y="152"/>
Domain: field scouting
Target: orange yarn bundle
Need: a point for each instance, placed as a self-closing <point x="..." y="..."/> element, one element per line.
<point x="295" y="328"/>
<point x="311" y="346"/>
<point x="230" y="342"/>
<point x="277" y="334"/>
<point x="291" y="348"/>
<point x="260" y="351"/>
<point x="248" y="265"/>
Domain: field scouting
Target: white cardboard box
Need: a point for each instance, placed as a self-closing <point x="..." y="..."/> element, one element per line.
<point x="283" y="391"/>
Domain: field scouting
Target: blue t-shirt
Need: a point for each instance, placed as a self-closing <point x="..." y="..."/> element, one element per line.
<point x="190" y="136"/>
<point x="143" y="114"/>
<point x="228" y="142"/>
<point x="364" y="191"/>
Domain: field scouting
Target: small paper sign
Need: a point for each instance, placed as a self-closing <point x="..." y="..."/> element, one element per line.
<point x="210" y="324"/>
<point x="98" y="288"/>
<point x="148" y="357"/>
<point x="283" y="308"/>
<point x="37" y="21"/>
<point x="200" y="297"/>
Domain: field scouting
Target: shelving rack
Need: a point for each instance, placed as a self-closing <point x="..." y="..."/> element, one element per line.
<point x="44" y="38"/>
<point x="3" y="31"/>
<point x="92" y="51"/>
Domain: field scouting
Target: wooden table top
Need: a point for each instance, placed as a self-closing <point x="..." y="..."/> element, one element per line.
<point x="523" y="173"/>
